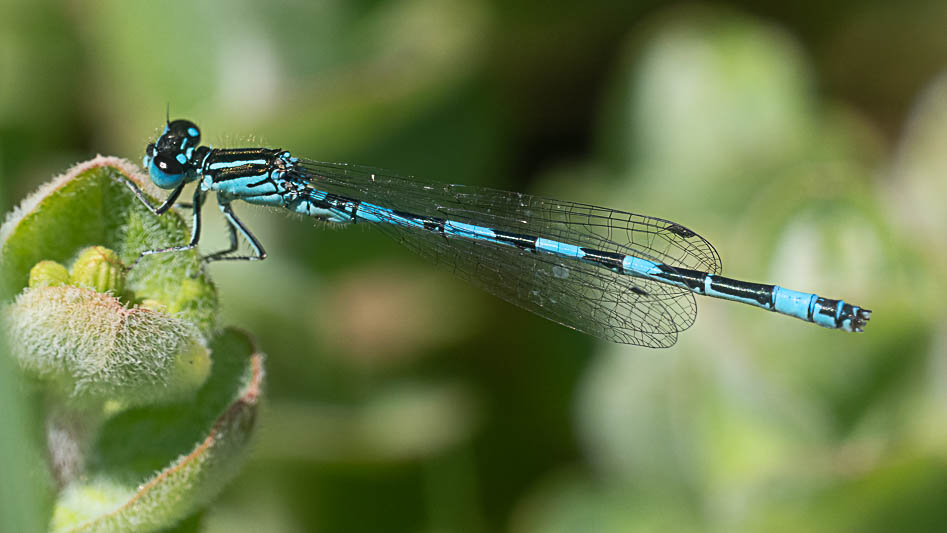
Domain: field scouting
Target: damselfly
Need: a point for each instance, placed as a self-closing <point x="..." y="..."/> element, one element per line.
<point x="616" y="275"/>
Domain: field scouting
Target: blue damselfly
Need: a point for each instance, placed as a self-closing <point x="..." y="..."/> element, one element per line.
<point x="616" y="275"/>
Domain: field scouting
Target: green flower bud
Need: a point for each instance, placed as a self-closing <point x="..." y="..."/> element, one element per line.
<point x="99" y="268"/>
<point x="48" y="274"/>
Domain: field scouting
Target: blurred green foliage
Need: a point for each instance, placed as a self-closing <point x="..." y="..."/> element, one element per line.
<point x="806" y="141"/>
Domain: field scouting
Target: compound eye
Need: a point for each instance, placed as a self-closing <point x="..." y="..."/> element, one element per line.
<point x="150" y="150"/>
<point x="168" y="165"/>
<point x="166" y="172"/>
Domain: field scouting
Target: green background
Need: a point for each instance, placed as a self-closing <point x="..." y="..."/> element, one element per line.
<point x="807" y="142"/>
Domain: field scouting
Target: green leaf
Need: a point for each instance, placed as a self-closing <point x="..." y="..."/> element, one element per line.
<point x="195" y="447"/>
<point x="90" y="206"/>
<point x="104" y="332"/>
<point x="116" y="345"/>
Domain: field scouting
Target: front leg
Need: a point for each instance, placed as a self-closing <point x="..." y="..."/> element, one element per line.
<point x="195" y="229"/>
<point x="157" y="210"/>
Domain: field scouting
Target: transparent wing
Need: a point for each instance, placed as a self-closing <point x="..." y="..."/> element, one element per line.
<point x="579" y="295"/>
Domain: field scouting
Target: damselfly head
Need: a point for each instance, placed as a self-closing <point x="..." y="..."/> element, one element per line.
<point x="169" y="160"/>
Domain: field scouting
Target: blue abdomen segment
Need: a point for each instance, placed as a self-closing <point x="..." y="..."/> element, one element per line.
<point x="794" y="303"/>
<point x="828" y="313"/>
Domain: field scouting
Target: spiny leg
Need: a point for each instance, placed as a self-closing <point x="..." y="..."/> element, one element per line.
<point x="234" y="225"/>
<point x="234" y="244"/>
<point x="195" y="230"/>
<point x="158" y="210"/>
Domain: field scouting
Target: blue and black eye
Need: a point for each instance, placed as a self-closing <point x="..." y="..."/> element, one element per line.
<point x="166" y="171"/>
<point x="167" y="164"/>
<point x="169" y="158"/>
